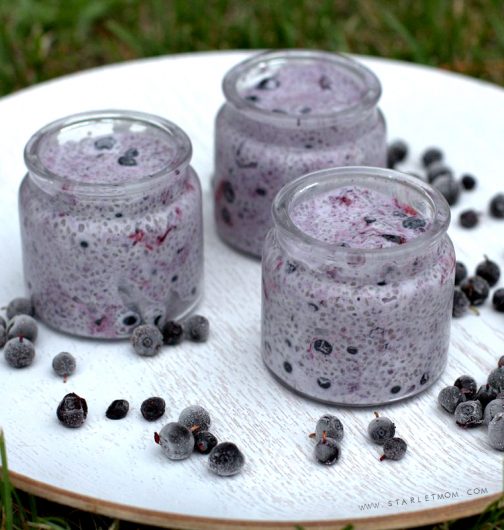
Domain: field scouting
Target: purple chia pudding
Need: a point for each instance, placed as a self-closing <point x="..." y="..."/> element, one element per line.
<point x="357" y="279"/>
<point x="288" y="113"/>
<point x="111" y="223"/>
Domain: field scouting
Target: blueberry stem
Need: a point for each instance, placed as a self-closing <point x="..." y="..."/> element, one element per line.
<point x="376" y="414"/>
<point x="312" y="435"/>
<point x="474" y="309"/>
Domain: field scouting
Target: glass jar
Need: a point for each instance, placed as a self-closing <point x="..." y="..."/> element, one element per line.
<point x="288" y="113"/>
<point x="111" y="223"/>
<point x="346" y="324"/>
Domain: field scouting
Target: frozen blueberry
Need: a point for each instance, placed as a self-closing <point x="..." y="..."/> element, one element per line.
<point x="153" y="408"/>
<point x="327" y="451"/>
<point x="106" y="142"/>
<point x="496" y="432"/>
<point x="324" y="382"/>
<point x="197" y="328"/>
<point x="290" y="267"/>
<point x="437" y="169"/>
<point x="460" y="303"/>
<point x="324" y="82"/>
<point x="118" y="409"/>
<point x="381" y="429"/>
<point x="228" y="191"/>
<point x="173" y="333"/>
<point x="131" y="320"/>
<point x="469" y="414"/>
<point x="195" y="418"/>
<point x="19" y="352"/>
<point x="176" y="441"/>
<point x="393" y="238"/>
<point x="323" y="346"/>
<point x="498" y="300"/>
<point x="430" y="155"/>
<point x="132" y="152"/>
<point x="204" y="442"/>
<point x="496" y="206"/>
<point x="22" y="326"/>
<point x="467" y="385"/>
<point x="450" y="397"/>
<point x="268" y="83"/>
<point x="448" y="187"/>
<point x="495" y="378"/>
<point x="72" y="411"/>
<point x="494" y="407"/>
<point x="460" y="272"/>
<point x="226" y="459"/>
<point x="397" y="152"/>
<point x="394" y="449"/>
<point x="127" y="161"/>
<point x="476" y="289"/>
<point x="64" y="364"/>
<point x="485" y="394"/>
<point x="19" y="306"/>
<point x="489" y="271"/>
<point x="468" y="218"/>
<point x="331" y="426"/>
<point x="468" y="182"/>
<point x="146" y="340"/>
<point x="414" y="223"/>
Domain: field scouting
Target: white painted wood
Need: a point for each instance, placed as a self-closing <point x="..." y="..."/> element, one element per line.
<point x="118" y="462"/>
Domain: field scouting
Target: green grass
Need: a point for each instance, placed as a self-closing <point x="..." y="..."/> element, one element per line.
<point x="43" y="39"/>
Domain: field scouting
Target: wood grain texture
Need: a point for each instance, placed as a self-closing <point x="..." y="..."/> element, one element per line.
<point x="115" y="467"/>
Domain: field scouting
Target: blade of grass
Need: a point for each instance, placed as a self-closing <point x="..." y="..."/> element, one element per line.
<point x="492" y="518"/>
<point x="402" y="31"/>
<point x="5" y="486"/>
<point x="33" y="507"/>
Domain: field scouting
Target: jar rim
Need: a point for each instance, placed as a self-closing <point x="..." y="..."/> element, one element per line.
<point x="371" y="83"/>
<point x="38" y="169"/>
<point x="334" y="251"/>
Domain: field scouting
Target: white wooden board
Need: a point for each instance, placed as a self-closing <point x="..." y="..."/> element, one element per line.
<point x="115" y="468"/>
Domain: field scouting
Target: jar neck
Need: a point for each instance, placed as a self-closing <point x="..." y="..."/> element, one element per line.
<point x="108" y="155"/>
<point x="69" y="191"/>
<point x="334" y="131"/>
<point x="345" y="111"/>
<point x="418" y="252"/>
<point x="353" y="265"/>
